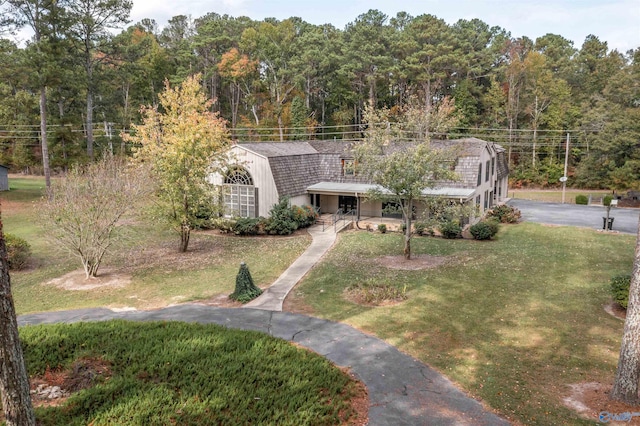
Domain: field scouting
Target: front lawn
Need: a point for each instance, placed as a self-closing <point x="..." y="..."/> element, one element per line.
<point x="144" y="271"/>
<point x="124" y="373"/>
<point x="513" y="321"/>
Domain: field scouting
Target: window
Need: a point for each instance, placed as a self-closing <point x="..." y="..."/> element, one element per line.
<point x="486" y="175"/>
<point x="493" y="166"/>
<point x="479" y="174"/>
<point x="478" y="198"/>
<point x="239" y="193"/>
<point x="348" y="167"/>
<point x="238" y="176"/>
<point x="486" y="200"/>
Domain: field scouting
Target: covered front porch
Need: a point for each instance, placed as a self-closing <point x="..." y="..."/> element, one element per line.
<point x="332" y="197"/>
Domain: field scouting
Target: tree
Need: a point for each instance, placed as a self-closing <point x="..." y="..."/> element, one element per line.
<point x="625" y="386"/>
<point x="404" y="172"/>
<point x="14" y="381"/>
<point x="91" y="21"/>
<point x="238" y="69"/>
<point x="272" y="44"/>
<point x="43" y="18"/>
<point x="183" y="143"/>
<point x="365" y="56"/>
<point x="83" y="210"/>
<point x="245" y="290"/>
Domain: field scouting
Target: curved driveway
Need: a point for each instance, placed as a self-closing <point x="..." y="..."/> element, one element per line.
<point x="402" y="390"/>
<point x="625" y="220"/>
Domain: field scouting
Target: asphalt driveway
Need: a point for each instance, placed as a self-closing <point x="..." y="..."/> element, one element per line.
<point x="625" y="220"/>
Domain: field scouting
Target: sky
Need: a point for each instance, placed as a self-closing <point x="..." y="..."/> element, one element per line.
<point x="615" y="21"/>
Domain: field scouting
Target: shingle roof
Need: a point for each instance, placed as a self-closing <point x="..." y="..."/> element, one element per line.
<point x="296" y="166"/>
<point x="294" y="173"/>
<point x="279" y="149"/>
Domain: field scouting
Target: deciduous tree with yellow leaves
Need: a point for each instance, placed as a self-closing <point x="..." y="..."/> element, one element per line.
<point x="184" y="142"/>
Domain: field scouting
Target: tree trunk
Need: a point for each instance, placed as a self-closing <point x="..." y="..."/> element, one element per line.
<point x="625" y="387"/>
<point x="185" y="233"/>
<point x="90" y="124"/>
<point x="43" y="136"/>
<point x="407" y="230"/>
<point x="14" y="382"/>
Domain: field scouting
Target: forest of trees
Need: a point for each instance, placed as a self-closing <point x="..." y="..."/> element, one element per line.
<point x="82" y="78"/>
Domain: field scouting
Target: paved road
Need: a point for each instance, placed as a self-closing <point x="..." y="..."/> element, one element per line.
<point x="625" y="220"/>
<point x="402" y="390"/>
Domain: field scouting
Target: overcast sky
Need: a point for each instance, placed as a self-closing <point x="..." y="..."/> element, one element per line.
<point x="615" y="21"/>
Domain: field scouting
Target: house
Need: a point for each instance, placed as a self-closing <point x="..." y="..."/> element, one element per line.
<point x="4" y="178"/>
<point x="323" y="174"/>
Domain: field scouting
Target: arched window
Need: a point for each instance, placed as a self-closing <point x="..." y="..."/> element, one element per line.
<point x="240" y="194"/>
<point x="238" y="176"/>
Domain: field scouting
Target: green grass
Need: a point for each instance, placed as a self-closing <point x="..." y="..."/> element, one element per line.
<point x="553" y="195"/>
<point x="24" y="189"/>
<point x="187" y="374"/>
<point x="160" y="276"/>
<point x="513" y="321"/>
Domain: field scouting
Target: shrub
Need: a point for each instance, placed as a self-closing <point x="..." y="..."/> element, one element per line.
<point x="281" y="219"/>
<point x="304" y="215"/>
<point x="245" y="290"/>
<point x="402" y="228"/>
<point x="484" y="230"/>
<point x="205" y="216"/>
<point x="382" y="228"/>
<point x="620" y="289"/>
<point x="223" y="225"/>
<point x="582" y="199"/>
<point x="606" y="200"/>
<point x="450" y="230"/>
<point x="247" y="226"/>
<point x="505" y="214"/>
<point x="18" y="251"/>
<point x="420" y="228"/>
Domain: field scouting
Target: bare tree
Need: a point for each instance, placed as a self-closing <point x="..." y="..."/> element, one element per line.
<point x="625" y="387"/>
<point x="14" y="382"/>
<point x="82" y="212"/>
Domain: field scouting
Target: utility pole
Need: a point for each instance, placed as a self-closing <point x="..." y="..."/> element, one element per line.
<point x="566" y="163"/>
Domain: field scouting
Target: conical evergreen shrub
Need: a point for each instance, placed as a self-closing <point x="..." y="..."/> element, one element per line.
<point x="246" y="290"/>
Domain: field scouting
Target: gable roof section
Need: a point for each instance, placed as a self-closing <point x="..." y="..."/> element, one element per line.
<point x="294" y="173"/>
<point x="294" y="165"/>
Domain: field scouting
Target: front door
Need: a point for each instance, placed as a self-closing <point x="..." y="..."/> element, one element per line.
<point x="347" y="203"/>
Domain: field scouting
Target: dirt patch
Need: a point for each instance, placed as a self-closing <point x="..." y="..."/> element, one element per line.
<point x="591" y="401"/>
<point x="55" y="386"/>
<point x="77" y="280"/>
<point x="615" y="310"/>
<point x="166" y="257"/>
<point x="417" y="262"/>
<point x="359" y="403"/>
<point x="294" y="303"/>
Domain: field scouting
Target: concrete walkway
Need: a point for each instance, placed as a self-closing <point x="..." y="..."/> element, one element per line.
<point x="273" y="297"/>
<point x="402" y="390"/>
